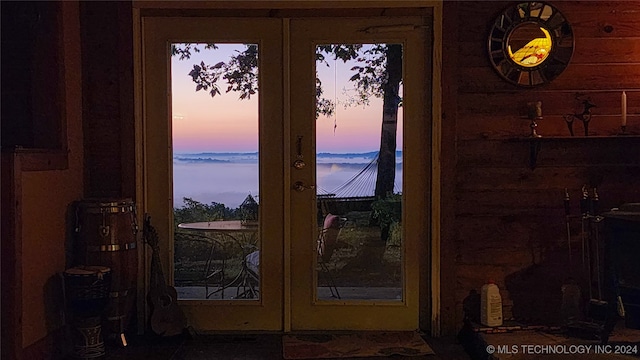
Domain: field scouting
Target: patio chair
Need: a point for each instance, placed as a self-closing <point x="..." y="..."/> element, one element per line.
<point x="326" y="244"/>
<point x="327" y="241"/>
<point x="251" y="283"/>
<point x="207" y="256"/>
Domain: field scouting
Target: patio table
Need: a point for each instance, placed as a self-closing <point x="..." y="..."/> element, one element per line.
<point x="230" y="230"/>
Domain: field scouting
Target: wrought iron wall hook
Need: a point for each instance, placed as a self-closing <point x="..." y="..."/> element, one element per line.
<point x="585" y="116"/>
<point x="534" y="149"/>
<point x="569" y="120"/>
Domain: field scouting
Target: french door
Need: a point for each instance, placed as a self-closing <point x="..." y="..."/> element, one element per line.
<point x="307" y="156"/>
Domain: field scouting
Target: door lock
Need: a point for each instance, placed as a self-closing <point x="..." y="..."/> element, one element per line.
<point x="300" y="186"/>
<point x="299" y="163"/>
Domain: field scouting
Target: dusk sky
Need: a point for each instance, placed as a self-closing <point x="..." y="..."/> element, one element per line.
<point x="226" y="124"/>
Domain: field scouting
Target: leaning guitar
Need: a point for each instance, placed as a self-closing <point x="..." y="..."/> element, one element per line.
<point x="167" y="319"/>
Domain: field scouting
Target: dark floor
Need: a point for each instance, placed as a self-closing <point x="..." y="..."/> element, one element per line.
<point x="193" y="346"/>
<point x="623" y="344"/>
<point x="515" y="341"/>
<point x="245" y="347"/>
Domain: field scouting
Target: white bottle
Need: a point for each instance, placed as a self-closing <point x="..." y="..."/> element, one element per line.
<point x="491" y="305"/>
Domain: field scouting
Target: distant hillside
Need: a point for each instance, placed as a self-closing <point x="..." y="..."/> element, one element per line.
<point x="370" y="154"/>
<point x="217" y="154"/>
<point x="200" y="160"/>
<point x="252" y="157"/>
<point x="243" y="154"/>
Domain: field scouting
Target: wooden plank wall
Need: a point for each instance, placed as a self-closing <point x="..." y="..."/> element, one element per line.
<point x="508" y="220"/>
<point x="108" y="118"/>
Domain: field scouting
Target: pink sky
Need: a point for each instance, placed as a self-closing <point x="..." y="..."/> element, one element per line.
<point x="226" y="124"/>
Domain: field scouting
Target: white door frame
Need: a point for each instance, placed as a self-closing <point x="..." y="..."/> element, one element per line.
<point x="433" y="286"/>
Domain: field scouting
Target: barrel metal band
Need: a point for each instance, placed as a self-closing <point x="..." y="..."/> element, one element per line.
<point x="110" y="209"/>
<point x="112" y="247"/>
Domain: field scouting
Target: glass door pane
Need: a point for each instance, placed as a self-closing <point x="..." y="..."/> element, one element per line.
<point x="359" y="171"/>
<point x="213" y="165"/>
<point x="357" y="218"/>
<point x="215" y="133"/>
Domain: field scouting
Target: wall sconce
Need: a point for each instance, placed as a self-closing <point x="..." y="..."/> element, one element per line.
<point x="585" y="116"/>
<point x="534" y="113"/>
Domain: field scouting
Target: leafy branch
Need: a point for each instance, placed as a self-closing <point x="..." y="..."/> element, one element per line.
<point x="240" y="72"/>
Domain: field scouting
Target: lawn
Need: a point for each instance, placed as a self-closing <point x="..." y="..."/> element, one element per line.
<point x="358" y="260"/>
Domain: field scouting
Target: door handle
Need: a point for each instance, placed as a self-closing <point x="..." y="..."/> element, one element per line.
<point x="300" y="186"/>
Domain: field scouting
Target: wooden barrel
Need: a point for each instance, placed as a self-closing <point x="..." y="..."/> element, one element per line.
<point x="107" y="236"/>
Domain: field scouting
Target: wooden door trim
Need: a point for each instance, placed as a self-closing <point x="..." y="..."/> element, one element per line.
<point x="11" y="255"/>
<point x="280" y="4"/>
<point x="431" y="294"/>
<point x="434" y="297"/>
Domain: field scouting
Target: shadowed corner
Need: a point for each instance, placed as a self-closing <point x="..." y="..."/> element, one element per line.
<point x="55" y="316"/>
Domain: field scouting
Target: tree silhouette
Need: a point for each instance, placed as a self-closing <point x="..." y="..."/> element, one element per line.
<point x="194" y="211"/>
<point x="377" y="73"/>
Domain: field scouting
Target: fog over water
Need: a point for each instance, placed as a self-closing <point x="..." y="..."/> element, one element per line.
<point x="228" y="178"/>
